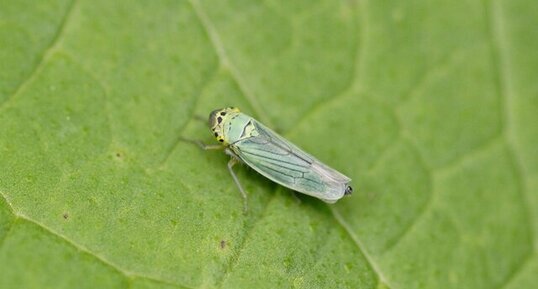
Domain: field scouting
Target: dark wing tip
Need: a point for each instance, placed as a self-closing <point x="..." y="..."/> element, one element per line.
<point x="348" y="191"/>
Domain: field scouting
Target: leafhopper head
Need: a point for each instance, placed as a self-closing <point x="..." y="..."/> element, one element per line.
<point x="217" y="118"/>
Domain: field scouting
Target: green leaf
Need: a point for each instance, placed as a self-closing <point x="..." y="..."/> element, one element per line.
<point x="430" y="106"/>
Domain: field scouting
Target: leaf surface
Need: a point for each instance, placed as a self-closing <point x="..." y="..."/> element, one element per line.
<point x="429" y="106"/>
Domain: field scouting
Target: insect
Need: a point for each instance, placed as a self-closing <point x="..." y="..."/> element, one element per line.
<point x="248" y="141"/>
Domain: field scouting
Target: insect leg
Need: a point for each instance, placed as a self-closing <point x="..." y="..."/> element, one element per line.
<point x="297" y="199"/>
<point x="200" y="118"/>
<point x="203" y="145"/>
<point x="234" y="160"/>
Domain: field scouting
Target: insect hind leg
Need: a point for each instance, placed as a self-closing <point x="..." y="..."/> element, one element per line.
<point x="233" y="161"/>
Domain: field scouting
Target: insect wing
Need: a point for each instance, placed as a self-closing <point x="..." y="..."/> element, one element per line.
<point x="282" y="162"/>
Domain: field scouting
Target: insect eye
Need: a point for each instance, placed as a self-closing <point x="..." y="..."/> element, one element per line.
<point x="213" y="118"/>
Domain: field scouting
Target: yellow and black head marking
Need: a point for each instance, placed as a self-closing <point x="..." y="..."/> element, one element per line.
<point x="216" y="120"/>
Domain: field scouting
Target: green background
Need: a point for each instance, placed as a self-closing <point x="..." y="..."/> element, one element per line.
<point x="431" y="107"/>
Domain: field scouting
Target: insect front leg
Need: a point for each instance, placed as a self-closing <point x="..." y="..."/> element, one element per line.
<point x="203" y="145"/>
<point x="234" y="160"/>
<point x="200" y="118"/>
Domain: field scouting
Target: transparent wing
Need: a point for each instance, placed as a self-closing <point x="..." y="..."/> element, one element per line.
<point x="279" y="160"/>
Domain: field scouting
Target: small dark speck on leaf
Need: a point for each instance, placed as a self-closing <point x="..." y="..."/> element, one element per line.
<point x="66" y="216"/>
<point x="222" y="244"/>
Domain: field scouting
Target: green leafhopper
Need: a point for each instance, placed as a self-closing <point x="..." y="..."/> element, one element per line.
<point x="248" y="141"/>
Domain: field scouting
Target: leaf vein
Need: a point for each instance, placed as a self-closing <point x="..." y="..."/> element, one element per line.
<point x="44" y="56"/>
<point x="195" y="101"/>
<point x="430" y="74"/>
<point x="351" y="84"/>
<point x="519" y="268"/>
<point x="225" y="61"/>
<point x="80" y="248"/>
<point x="502" y="69"/>
<point x="235" y="258"/>
<point x="422" y="210"/>
<point x="374" y="266"/>
<point x="470" y="154"/>
<point x="503" y="72"/>
<point x="12" y="222"/>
